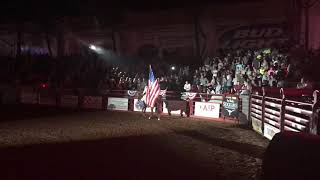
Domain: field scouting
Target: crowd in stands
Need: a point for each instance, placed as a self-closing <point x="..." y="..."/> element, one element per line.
<point x="228" y="72"/>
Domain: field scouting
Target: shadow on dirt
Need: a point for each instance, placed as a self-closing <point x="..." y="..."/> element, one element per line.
<point x="248" y="149"/>
<point x="23" y="112"/>
<point x="119" y="158"/>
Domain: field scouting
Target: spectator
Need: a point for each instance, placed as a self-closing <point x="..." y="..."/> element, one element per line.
<point x="187" y="87"/>
<point x="301" y="84"/>
<point x="218" y="89"/>
<point x="203" y="82"/>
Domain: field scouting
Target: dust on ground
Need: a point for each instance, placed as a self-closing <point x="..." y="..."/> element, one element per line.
<point x="122" y="145"/>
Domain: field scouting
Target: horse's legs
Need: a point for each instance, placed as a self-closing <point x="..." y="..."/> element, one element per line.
<point x="158" y="113"/>
<point x="151" y="113"/>
<point x="144" y="111"/>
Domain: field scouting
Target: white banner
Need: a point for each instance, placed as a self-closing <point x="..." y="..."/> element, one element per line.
<point x="92" y="102"/>
<point x="69" y="101"/>
<point x="256" y="125"/>
<point x="207" y="109"/>
<point x="270" y="131"/>
<point x="136" y="108"/>
<point x="120" y="104"/>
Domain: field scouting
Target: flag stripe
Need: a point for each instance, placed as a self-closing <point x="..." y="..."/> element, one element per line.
<point x="153" y="90"/>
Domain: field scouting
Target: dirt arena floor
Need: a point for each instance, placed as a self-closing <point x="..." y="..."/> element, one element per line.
<point x="42" y="143"/>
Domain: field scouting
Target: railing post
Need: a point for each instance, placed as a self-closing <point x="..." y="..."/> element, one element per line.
<point x="131" y="103"/>
<point x="314" y="119"/>
<point x="282" y="110"/>
<point x="263" y="105"/>
<point x="191" y="107"/>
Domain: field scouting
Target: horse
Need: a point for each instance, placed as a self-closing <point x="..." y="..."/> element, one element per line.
<point x="174" y="105"/>
<point x="177" y="102"/>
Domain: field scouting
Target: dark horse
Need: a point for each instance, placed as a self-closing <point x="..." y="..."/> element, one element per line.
<point x="175" y="101"/>
<point x="175" y="105"/>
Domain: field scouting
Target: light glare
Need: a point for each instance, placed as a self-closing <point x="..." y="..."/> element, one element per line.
<point x="93" y="47"/>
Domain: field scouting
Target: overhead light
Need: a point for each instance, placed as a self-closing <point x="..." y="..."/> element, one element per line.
<point x="93" y="47"/>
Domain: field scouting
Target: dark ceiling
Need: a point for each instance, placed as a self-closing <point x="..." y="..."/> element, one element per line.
<point x="29" y="9"/>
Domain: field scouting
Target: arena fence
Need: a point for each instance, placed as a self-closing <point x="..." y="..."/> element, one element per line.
<point x="217" y="106"/>
<point x="269" y="110"/>
<point x="275" y="110"/>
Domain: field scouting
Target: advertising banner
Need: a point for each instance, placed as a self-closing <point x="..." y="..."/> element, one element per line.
<point x="207" y="109"/>
<point x="252" y="36"/>
<point x="270" y="131"/>
<point x="256" y="125"/>
<point x="230" y="106"/>
<point x="120" y="104"/>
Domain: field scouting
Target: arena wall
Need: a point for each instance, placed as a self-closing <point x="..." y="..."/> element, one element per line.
<point x="314" y="26"/>
<point x="175" y="33"/>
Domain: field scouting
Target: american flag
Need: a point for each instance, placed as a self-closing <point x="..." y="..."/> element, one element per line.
<point x="153" y="89"/>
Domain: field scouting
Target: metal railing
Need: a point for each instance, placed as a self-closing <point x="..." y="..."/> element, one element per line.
<point x="277" y="110"/>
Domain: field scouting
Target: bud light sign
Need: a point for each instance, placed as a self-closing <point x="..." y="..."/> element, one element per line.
<point x="254" y="36"/>
<point x="230" y="106"/>
<point x="207" y="109"/>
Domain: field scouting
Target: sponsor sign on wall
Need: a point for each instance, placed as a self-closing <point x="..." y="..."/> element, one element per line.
<point x="207" y="109"/>
<point x="230" y="106"/>
<point x="253" y="36"/>
<point x="69" y="101"/>
<point x="270" y="131"/>
<point x="256" y="125"/>
<point x="120" y="104"/>
<point x="92" y="102"/>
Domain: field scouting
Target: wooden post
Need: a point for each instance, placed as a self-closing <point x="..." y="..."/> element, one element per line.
<point x="282" y="110"/>
<point x="314" y="120"/>
<point x="191" y="107"/>
<point x="263" y="105"/>
<point x="249" y="111"/>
